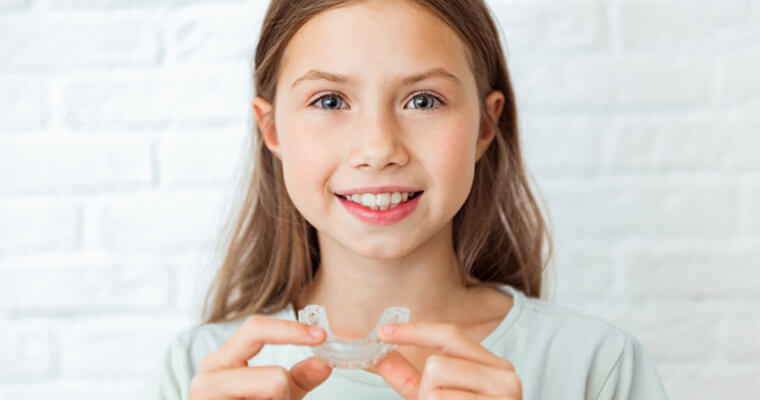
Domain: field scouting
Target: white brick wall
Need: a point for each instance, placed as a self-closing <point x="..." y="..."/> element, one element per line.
<point x="122" y="124"/>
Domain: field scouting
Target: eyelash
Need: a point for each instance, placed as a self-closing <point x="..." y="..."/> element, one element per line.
<point x="333" y="94"/>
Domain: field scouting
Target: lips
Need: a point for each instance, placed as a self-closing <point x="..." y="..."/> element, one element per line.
<point x="386" y="216"/>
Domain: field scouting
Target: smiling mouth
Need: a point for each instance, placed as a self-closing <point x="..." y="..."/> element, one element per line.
<point x="381" y="201"/>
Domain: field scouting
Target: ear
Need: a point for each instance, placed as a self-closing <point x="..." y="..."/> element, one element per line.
<point x="262" y="110"/>
<point x="494" y="105"/>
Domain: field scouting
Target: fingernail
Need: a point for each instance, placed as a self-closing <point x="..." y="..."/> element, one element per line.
<point x="388" y="330"/>
<point x="315" y="332"/>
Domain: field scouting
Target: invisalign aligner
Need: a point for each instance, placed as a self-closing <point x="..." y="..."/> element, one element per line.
<point x="358" y="353"/>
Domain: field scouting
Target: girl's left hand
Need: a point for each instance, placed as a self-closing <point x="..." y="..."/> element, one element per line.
<point x="466" y="370"/>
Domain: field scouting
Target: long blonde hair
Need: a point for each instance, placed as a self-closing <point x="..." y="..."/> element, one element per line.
<point x="271" y="252"/>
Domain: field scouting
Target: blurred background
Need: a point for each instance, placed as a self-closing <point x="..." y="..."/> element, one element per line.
<point x="124" y="124"/>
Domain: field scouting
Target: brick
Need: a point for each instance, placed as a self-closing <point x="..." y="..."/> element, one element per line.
<point x="753" y="217"/>
<point x="602" y="83"/>
<point x="192" y="281"/>
<point x="739" y="329"/>
<point x="59" y="162"/>
<point x="647" y="144"/>
<point x="67" y="42"/>
<point x="156" y="100"/>
<point x="741" y="85"/>
<point x="679" y="271"/>
<point x="633" y="207"/>
<point x="13" y="5"/>
<point x="120" y="4"/>
<point x="72" y="390"/>
<point x="559" y="145"/>
<point x="204" y="34"/>
<point x="682" y="144"/>
<point x="28" y="351"/>
<point x="686" y="26"/>
<point x="585" y="270"/>
<point x="744" y="156"/>
<point x="116" y="348"/>
<point x="165" y="221"/>
<point x="28" y="225"/>
<point x="530" y="26"/>
<point x="203" y="157"/>
<point x="84" y="288"/>
<point x="23" y="106"/>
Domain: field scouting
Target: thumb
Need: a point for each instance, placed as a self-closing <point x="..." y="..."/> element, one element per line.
<point x="403" y="377"/>
<point x="307" y="375"/>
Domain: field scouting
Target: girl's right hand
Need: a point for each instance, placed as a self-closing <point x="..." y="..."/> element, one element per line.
<point x="225" y="374"/>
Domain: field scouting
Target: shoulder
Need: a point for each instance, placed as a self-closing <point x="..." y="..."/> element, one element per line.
<point x="555" y="341"/>
<point x="570" y="321"/>
<point x="578" y="333"/>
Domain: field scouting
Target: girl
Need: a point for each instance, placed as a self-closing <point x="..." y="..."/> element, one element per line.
<point x="388" y="172"/>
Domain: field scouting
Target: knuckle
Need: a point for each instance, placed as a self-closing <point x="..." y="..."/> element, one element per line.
<point x="518" y="383"/>
<point x="434" y="366"/>
<point x="206" y="362"/>
<point x="198" y="385"/>
<point x="436" y="395"/>
<point x="281" y="381"/>
<point x="280" y="375"/>
<point x="253" y="321"/>
<point x="506" y="364"/>
<point x="514" y="383"/>
<point x="452" y="332"/>
<point x="410" y="383"/>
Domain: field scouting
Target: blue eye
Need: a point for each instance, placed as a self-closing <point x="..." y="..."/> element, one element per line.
<point x="335" y="99"/>
<point x="423" y="96"/>
<point x="421" y="101"/>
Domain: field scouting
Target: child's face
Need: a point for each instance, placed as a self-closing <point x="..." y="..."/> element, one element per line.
<point x="377" y="131"/>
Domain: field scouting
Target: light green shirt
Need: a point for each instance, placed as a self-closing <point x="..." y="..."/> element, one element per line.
<point x="558" y="353"/>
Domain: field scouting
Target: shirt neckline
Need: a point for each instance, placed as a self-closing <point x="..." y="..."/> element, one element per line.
<point x="373" y="379"/>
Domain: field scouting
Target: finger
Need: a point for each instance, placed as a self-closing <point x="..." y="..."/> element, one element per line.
<point x="256" y="331"/>
<point x="307" y="375"/>
<point x="268" y="382"/>
<point x="403" y="377"/>
<point x="448" y="339"/>
<point x="453" y="394"/>
<point x="443" y="372"/>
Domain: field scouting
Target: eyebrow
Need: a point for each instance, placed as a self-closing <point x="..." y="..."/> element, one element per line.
<point x="343" y="79"/>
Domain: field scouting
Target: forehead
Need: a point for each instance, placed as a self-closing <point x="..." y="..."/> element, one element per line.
<point x="376" y="39"/>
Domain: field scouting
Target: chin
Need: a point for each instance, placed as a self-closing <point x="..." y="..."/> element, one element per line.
<point x="382" y="249"/>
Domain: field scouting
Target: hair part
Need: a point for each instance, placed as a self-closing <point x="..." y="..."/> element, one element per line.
<point x="271" y="252"/>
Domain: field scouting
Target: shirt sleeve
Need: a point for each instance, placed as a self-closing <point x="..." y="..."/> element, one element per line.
<point x="633" y="376"/>
<point x="171" y="379"/>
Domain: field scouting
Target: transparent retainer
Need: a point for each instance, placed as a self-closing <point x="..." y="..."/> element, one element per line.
<point x="358" y="353"/>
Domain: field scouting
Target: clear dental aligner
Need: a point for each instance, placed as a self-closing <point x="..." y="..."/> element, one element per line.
<point x="359" y="353"/>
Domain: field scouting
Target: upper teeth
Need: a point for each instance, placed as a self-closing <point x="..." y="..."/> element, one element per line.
<point x="380" y="201"/>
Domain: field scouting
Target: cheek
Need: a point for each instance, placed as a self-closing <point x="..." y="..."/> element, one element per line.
<point x="306" y="160"/>
<point x="453" y="161"/>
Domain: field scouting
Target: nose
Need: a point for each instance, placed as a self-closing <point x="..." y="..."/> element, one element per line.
<point x="378" y="143"/>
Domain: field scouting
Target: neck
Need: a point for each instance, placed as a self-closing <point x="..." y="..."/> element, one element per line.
<point x="355" y="290"/>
